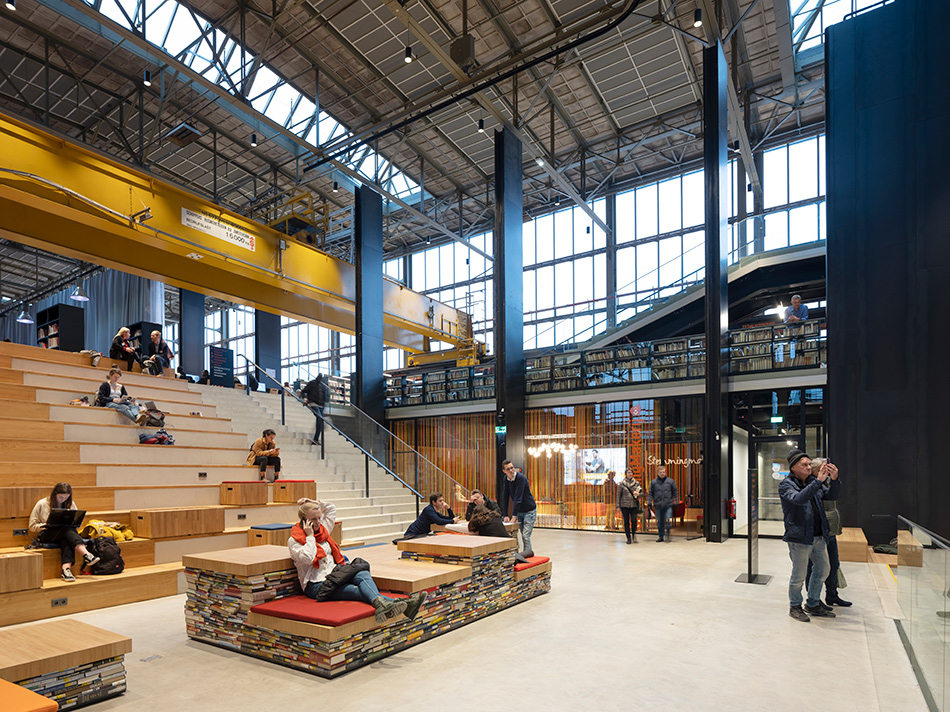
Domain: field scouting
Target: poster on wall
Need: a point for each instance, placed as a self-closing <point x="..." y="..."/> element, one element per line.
<point x="222" y="367"/>
<point x="591" y="466"/>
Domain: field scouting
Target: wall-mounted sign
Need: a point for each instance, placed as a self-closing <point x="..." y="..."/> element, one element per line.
<point x="222" y="366"/>
<point x="217" y="227"/>
<point x="776" y="419"/>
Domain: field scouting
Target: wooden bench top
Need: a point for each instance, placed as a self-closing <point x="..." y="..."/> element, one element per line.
<point x="465" y="546"/>
<point x="58" y="645"/>
<point x="852" y="534"/>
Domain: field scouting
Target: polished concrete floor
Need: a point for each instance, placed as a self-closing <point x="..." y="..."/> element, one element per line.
<point x="642" y="627"/>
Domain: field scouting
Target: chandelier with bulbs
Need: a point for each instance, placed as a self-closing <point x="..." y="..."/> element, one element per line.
<point x="550" y="449"/>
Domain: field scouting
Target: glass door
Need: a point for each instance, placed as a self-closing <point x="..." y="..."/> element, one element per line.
<point x="769" y="459"/>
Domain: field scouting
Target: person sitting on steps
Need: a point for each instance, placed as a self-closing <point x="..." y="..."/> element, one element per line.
<point x="316" y="555"/>
<point x="67" y="538"/>
<point x="112" y="395"/>
<point x="263" y="453"/>
<point x="121" y="349"/>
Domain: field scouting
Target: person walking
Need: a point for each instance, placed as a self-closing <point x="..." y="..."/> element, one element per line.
<point x="628" y="502"/>
<point x="663" y="495"/>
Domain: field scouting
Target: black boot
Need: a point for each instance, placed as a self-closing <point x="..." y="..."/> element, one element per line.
<point x="833" y="599"/>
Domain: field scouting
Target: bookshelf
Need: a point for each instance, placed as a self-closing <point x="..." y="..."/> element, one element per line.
<point x="779" y="346"/>
<point x="61" y="327"/>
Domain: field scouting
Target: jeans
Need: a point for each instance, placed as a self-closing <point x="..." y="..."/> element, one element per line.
<point x="318" y="413"/>
<point x="801" y="554"/>
<point x="127" y="409"/>
<point x="831" y="583"/>
<point x="664" y="518"/>
<point x="526" y="522"/>
<point x="629" y="520"/>
<point x="361" y="588"/>
<point x="161" y="362"/>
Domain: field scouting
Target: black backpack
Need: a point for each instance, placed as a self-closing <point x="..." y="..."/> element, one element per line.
<point x="110" y="556"/>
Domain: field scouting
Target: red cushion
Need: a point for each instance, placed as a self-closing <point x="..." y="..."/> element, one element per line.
<point x="281" y="480"/>
<point x="532" y="561"/>
<point x="332" y="613"/>
<point x="242" y="482"/>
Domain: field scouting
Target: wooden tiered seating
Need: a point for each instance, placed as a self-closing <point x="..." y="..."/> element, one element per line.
<point x="909" y="550"/>
<point x="44" y="440"/>
<point x="852" y="545"/>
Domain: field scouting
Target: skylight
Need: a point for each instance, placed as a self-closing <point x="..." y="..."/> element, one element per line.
<point x="194" y="41"/>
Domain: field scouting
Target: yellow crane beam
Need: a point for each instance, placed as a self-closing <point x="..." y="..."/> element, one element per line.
<point x="61" y="196"/>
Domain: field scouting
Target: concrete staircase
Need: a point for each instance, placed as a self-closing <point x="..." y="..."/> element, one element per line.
<point x="341" y="476"/>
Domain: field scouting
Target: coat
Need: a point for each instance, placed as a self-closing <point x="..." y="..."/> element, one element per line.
<point x="628" y="494"/>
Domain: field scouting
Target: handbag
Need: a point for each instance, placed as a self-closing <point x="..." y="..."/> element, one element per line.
<point x="341" y="575"/>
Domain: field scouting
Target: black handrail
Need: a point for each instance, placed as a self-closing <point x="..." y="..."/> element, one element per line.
<point x="326" y="423"/>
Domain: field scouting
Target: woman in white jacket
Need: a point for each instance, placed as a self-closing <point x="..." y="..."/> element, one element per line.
<point x="315" y="555"/>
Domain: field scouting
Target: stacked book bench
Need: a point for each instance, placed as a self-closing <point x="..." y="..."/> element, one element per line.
<point x="70" y="663"/>
<point x="249" y="600"/>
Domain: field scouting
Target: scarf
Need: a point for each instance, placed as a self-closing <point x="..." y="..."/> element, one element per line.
<point x="322" y="536"/>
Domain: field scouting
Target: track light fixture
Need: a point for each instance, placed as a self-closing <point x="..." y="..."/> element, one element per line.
<point x="481" y="126"/>
<point x="11" y="5"/>
<point x="79" y="294"/>
<point x="146" y="78"/>
<point x="557" y="200"/>
<point x="336" y="187"/>
<point x="142" y="215"/>
<point x="24" y="317"/>
<point x="408" y="58"/>
<point x="698" y="17"/>
<point x="253" y="140"/>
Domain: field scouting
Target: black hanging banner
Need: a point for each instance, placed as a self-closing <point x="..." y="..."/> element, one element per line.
<point x="222" y="367"/>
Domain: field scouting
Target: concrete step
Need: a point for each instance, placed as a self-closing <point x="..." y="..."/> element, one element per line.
<point x="97" y="374"/>
<point x="159" y="454"/>
<point x="107" y="416"/>
<point x="117" y="475"/>
<point x="128" y="434"/>
<point x="171" y="550"/>
<point x="142" y="391"/>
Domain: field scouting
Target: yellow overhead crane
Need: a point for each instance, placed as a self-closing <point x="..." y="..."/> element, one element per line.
<point x="61" y="196"/>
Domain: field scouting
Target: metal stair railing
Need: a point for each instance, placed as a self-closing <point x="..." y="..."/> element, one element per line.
<point x="367" y="455"/>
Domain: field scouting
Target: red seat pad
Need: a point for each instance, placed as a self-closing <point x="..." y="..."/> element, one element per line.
<point x="282" y="480"/>
<point x="241" y="482"/>
<point x="332" y="613"/>
<point x="532" y="561"/>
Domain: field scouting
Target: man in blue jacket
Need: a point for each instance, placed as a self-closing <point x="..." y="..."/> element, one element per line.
<point x="806" y="531"/>
<point x="516" y="488"/>
<point x="429" y="516"/>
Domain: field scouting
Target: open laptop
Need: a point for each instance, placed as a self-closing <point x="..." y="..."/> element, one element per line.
<point x="65" y="518"/>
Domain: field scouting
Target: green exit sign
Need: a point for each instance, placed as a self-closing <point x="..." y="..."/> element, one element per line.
<point x="500" y="429"/>
<point x="776" y="419"/>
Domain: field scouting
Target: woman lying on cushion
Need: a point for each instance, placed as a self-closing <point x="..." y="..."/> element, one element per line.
<point x="316" y="555"/>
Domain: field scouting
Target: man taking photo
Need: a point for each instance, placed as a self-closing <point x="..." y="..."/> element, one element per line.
<point x="806" y="531"/>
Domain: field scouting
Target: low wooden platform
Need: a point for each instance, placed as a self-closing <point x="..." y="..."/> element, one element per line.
<point x="852" y="545"/>
<point x="69" y="662"/>
<point x="466" y="578"/>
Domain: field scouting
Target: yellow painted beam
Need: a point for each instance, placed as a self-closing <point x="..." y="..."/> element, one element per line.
<point x="238" y="259"/>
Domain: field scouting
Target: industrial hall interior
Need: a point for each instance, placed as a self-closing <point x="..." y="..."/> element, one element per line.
<point x="559" y="353"/>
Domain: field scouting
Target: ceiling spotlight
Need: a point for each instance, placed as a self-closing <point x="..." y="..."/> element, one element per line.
<point x="408" y="58"/>
<point x="557" y="200"/>
<point x="336" y="187"/>
<point x="147" y="78"/>
<point x="698" y="18"/>
<point x="11" y="5"/>
<point x="24" y="317"/>
<point x="588" y="229"/>
<point x="428" y="240"/>
<point x="253" y="140"/>
<point x="481" y="126"/>
<point x="79" y="294"/>
<point x="194" y="255"/>
<point x="539" y="161"/>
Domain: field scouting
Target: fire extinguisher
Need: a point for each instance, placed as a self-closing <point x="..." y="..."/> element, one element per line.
<point x="732" y="508"/>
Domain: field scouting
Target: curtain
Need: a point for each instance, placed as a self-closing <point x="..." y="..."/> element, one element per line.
<point x="116" y="299"/>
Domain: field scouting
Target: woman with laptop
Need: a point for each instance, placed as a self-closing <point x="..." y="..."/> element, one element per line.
<point x="54" y="521"/>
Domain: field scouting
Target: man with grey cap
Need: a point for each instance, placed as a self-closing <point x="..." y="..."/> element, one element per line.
<point x="806" y="530"/>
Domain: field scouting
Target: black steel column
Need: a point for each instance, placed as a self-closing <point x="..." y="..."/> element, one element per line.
<point x="368" y="239"/>
<point x="611" y="201"/>
<point x="509" y="305"/>
<point x="267" y="346"/>
<point x="716" y="172"/>
<point x="191" y="332"/>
